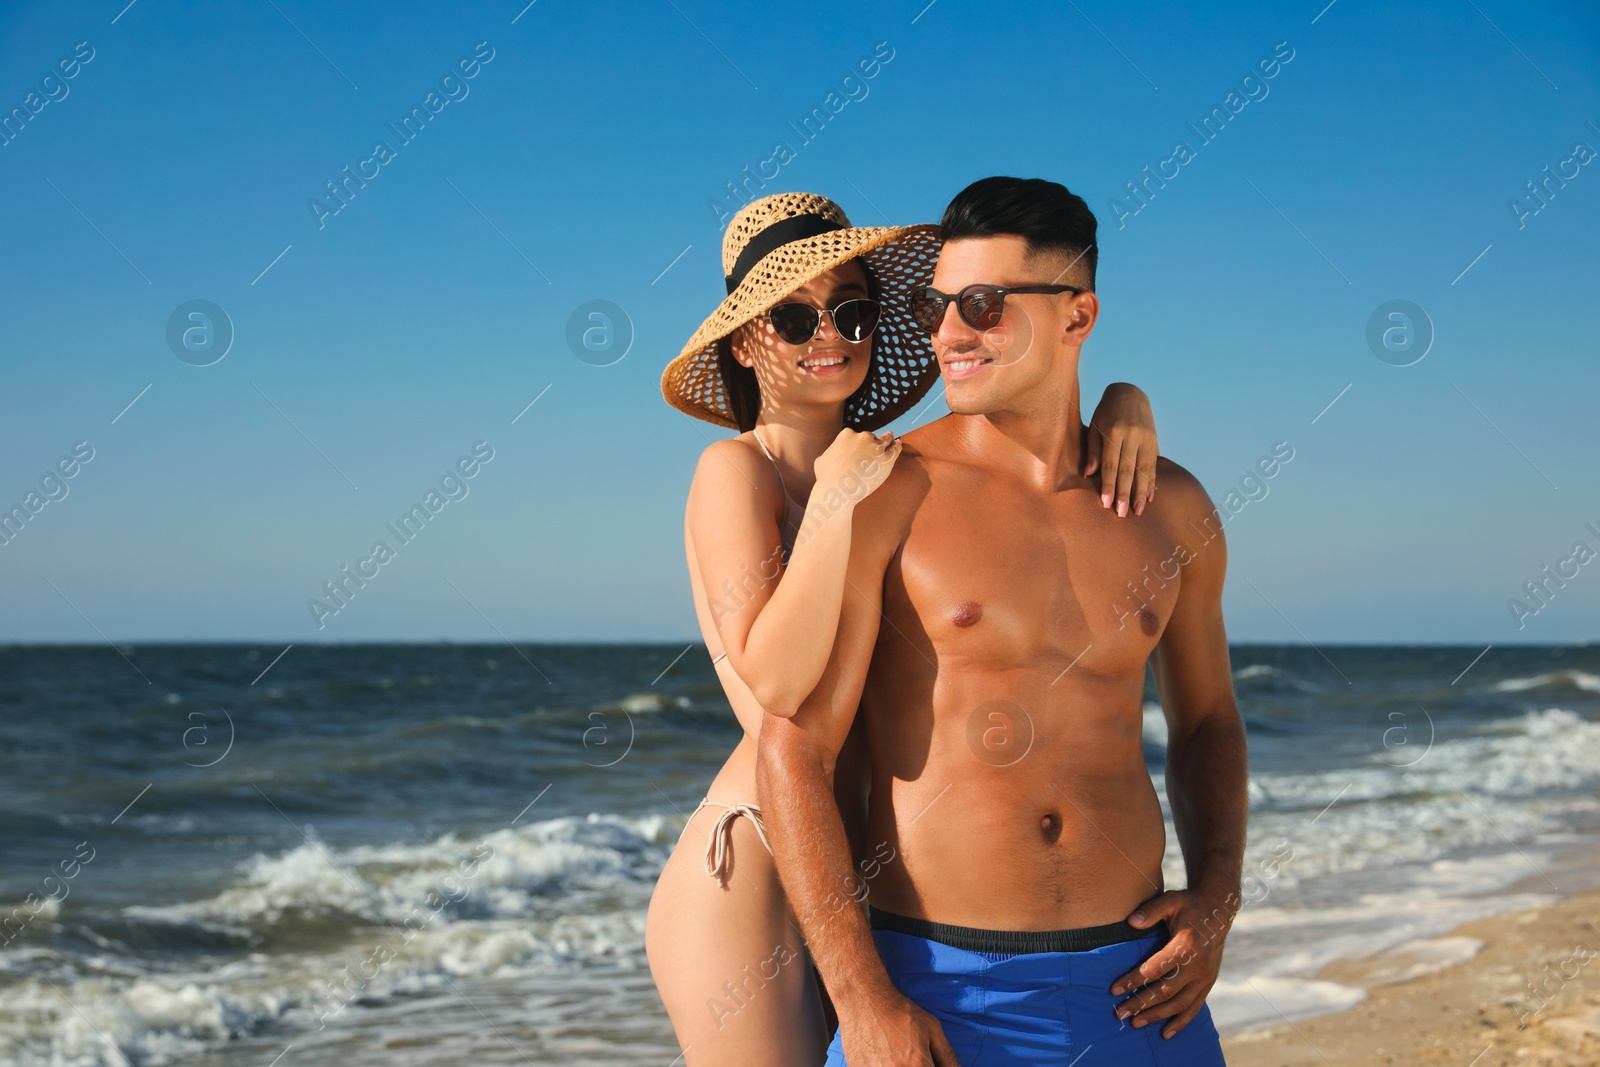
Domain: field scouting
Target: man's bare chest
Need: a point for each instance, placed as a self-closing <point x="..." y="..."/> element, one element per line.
<point x="999" y="578"/>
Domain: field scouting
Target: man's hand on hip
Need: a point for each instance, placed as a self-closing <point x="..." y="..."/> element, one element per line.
<point x="1173" y="983"/>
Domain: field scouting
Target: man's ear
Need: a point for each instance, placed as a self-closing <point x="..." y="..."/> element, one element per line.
<point x="1081" y="319"/>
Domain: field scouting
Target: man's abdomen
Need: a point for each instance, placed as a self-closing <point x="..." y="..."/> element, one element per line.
<point x="1051" y="845"/>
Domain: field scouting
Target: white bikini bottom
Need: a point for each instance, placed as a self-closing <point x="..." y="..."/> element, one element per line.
<point x="719" y="850"/>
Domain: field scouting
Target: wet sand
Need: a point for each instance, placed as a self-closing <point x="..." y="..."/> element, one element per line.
<point x="1529" y="996"/>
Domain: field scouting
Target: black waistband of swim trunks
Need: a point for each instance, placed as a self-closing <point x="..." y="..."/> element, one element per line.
<point x="1017" y="942"/>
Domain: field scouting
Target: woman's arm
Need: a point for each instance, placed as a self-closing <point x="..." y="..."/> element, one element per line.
<point x="1122" y="446"/>
<point x="778" y="634"/>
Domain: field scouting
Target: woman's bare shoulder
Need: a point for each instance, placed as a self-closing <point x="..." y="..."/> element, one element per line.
<point x="731" y="472"/>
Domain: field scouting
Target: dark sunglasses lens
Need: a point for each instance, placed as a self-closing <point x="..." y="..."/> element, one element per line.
<point x="856" y="319"/>
<point x="927" y="308"/>
<point x="794" y="323"/>
<point x="981" y="306"/>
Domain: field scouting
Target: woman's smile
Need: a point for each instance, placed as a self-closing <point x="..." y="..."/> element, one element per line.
<point x="825" y="364"/>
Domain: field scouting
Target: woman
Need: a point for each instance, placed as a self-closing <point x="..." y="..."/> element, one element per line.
<point x="814" y="347"/>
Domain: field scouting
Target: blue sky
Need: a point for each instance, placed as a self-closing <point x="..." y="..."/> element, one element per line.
<point x="375" y="346"/>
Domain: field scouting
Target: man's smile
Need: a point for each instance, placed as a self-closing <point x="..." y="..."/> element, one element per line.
<point x="965" y="366"/>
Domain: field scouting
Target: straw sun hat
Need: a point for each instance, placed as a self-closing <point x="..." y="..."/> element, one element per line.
<point x="777" y="244"/>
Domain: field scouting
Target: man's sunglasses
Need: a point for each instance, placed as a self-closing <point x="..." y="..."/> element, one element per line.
<point x="980" y="306"/>
<point x="796" y="323"/>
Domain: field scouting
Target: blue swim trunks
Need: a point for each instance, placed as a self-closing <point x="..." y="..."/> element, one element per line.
<point x="1003" y="1003"/>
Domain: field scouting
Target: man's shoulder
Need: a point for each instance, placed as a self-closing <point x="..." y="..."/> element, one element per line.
<point x="1169" y="472"/>
<point x="1179" y="492"/>
<point x="887" y="512"/>
<point x="932" y="452"/>
<point x="939" y="444"/>
<point x="936" y="437"/>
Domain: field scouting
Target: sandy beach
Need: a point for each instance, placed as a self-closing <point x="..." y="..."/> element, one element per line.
<point x="1529" y="996"/>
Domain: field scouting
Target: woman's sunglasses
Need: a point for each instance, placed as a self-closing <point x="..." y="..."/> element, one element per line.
<point x="980" y="306"/>
<point x="797" y="323"/>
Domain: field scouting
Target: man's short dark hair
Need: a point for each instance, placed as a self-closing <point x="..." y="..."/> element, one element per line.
<point x="1043" y="213"/>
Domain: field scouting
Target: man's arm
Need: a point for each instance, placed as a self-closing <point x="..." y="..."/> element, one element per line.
<point x="794" y="780"/>
<point x="1206" y="783"/>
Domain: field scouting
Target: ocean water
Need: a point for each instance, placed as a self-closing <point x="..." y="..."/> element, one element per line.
<point x="428" y="854"/>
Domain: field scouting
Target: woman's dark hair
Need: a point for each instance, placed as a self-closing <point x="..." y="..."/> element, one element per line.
<point x="1044" y="213"/>
<point x="744" y="392"/>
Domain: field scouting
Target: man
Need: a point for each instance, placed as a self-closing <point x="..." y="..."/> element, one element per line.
<point x="995" y="636"/>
